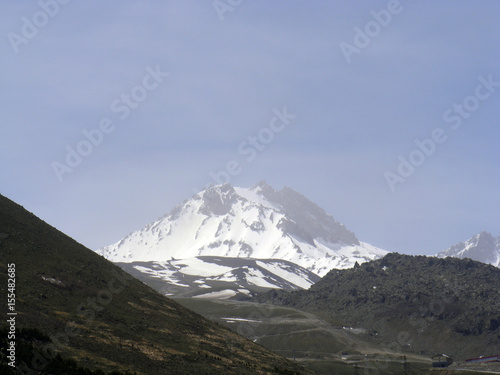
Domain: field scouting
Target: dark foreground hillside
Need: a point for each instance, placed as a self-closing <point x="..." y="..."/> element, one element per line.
<point x="417" y="304"/>
<point x="78" y="312"/>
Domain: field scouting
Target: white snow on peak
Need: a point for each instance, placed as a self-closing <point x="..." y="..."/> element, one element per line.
<point x="482" y="247"/>
<point x="222" y="294"/>
<point x="254" y="196"/>
<point x="257" y="222"/>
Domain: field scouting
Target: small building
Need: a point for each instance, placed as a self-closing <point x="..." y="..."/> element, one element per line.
<point x="441" y="360"/>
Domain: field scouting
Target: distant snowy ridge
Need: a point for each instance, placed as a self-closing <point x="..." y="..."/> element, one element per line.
<point x="259" y="223"/>
<point x="208" y="276"/>
<point x="482" y="247"/>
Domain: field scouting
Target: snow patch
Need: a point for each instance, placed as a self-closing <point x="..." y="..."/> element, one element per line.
<point x="222" y="294"/>
<point x="197" y="267"/>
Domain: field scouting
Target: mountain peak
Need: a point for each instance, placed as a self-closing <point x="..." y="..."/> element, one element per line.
<point x="263" y="185"/>
<point x="218" y="199"/>
<point x="258" y="222"/>
<point x="309" y="216"/>
<point x="264" y="189"/>
<point x="484" y="236"/>
<point x="482" y="247"/>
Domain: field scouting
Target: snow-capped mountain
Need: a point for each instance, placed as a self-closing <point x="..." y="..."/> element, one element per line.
<point x="258" y="222"/>
<point x="483" y="247"/>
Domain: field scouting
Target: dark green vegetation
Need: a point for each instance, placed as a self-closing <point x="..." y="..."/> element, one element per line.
<point x="33" y="340"/>
<point x="412" y="304"/>
<point x="92" y="315"/>
<point x="320" y="346"/>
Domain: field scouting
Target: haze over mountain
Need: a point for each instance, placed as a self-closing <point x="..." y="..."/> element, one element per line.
<point x="482" y="247"/>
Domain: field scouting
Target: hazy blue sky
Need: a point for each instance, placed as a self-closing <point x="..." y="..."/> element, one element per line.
<point x="366" y="80"/>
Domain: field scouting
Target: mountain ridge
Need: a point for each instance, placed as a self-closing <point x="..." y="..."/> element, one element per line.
<point x="423" y="304"/>
<point x="482" y="247"/>
<point x="210" y="276"/>
<point x="94" y="314"/>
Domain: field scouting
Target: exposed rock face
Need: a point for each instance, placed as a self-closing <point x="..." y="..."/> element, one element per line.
<point x="309" y="216"/>
<point x="218" y="200"/>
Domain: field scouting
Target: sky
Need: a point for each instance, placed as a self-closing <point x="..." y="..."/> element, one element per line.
<point x="384" y="113"/>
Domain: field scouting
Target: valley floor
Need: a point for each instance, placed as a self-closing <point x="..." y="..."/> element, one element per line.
<point x="320" y="346"/>
<point x="308" y="339"/>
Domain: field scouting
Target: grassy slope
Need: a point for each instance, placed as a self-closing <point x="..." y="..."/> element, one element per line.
<point x="316" y="344"/>
<point x="120" y="322"/>
<point x="320" y="346"/>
